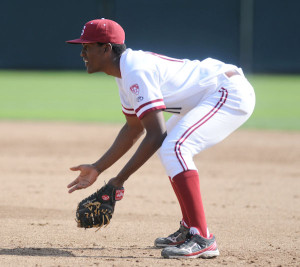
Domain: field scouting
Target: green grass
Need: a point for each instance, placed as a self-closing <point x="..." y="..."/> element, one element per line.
<point x="277" y="102"/>
<point x="67" y="96"/>
<point x="78" y="96"/>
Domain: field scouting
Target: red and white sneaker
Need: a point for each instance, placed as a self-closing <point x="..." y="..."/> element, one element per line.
<point x="194" y="247"/>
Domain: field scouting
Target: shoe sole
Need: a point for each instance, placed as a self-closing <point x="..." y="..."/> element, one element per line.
<point x="167" y="245"/>
<point x="204" y="255"/>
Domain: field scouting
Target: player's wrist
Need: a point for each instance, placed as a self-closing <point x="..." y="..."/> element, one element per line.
<point x="116" y="182"/>
<point x="120" y="180"/>
<point x="96" y="167"/>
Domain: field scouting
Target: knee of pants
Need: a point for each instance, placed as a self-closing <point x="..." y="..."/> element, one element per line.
<point x="175" y="159"/>
<point x="164" y="152"/>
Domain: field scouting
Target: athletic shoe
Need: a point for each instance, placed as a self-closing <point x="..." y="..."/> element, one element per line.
<point x="195" y="247"/>
<point x="174" y="239"/>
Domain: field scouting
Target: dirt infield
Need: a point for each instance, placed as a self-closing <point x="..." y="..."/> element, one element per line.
<point x="250" y="186"/>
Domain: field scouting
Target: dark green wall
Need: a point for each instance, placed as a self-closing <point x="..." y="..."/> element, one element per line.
<point x="34" y="32"/>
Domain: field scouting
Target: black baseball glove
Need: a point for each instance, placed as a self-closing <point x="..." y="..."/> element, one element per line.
<point x="97" y="209"/>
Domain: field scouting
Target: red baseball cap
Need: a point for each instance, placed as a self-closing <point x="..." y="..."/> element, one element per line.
<point x="102" y="31"/>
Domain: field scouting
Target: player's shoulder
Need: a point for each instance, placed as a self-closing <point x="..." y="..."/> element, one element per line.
<point x="211" y="61"/>
<point x="135" y="58"/>
<point x="134" y="61"/>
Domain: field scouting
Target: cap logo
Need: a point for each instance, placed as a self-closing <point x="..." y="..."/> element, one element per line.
<point x="82" y="32"/>
<point x="135" y="89"/>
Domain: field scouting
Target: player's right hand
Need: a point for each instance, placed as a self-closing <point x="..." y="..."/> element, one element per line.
<point x="88" y="175"/>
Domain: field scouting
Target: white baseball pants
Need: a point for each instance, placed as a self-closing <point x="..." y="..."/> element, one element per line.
<point x="207" y="124"/>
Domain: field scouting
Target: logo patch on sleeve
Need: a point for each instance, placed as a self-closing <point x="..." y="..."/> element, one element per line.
<point x="135" y="89"/>
<point x="139" y="99"/>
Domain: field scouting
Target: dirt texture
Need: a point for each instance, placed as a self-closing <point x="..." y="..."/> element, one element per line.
<point x="250" y="187"/>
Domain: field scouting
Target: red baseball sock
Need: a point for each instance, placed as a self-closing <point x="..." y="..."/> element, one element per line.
<point x="184" y="214"/>
<point x="188" y="188"/>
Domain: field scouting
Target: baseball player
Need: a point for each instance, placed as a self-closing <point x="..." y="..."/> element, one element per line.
<point x="209" y="100"/>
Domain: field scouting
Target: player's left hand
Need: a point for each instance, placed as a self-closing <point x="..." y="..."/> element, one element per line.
<point x="88" y="175"/>
<point x="97" y="209"/>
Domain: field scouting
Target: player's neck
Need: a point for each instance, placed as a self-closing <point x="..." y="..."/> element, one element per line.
<point x="114" y="68"/>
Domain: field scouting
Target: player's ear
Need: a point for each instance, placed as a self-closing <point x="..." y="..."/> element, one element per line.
<point x="108" y="47"/>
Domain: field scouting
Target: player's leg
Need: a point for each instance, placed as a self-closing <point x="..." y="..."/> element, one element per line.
<point x="179" y="236"/>
<point x="171" y="123"/>
<point x="207" y="124"/>
<point x="185" y="220"/>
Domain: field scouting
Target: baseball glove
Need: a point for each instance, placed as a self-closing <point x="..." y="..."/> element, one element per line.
<point x="97" y="209"/>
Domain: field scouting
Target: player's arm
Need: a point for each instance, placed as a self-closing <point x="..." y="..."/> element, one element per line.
<point x="127" y="136"/>
<point x="156" y="132"/>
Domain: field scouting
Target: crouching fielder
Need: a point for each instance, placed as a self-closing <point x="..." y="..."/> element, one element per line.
<point x="209" y="100"/>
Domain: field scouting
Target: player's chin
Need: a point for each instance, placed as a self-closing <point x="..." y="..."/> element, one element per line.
<point x="89" y="70"/>
<point x="92" y="69"/>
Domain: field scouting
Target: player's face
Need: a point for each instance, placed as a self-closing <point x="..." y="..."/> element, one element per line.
<point x="94" y="57"/>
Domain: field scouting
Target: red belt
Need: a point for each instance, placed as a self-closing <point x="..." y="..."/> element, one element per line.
<point x="231" y="73"/>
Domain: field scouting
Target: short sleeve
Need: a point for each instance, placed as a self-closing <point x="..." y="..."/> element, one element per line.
<point x="143" y="92"/>
<point x="127" y="109"/>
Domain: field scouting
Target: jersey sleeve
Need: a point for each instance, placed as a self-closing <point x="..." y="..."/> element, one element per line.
<point x="127" y="109"/>
<point x="143" y="92"/>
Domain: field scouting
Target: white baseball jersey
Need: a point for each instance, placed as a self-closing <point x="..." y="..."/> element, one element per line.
<point x="207" y="104"/>
<point x="152" y="81"/>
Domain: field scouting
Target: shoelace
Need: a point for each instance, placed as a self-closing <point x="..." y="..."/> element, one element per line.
<point x="188" y="236"/>
<point x="188" y="239"/>
<point x="175" y="234"/>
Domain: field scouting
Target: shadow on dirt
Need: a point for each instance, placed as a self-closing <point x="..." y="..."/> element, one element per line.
<point x="77" y="252"/>
<point x="36" y="252"/>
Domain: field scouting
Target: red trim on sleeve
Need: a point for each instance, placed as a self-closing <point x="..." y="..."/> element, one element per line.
<point x="129" y="109"/>
<point x="128" y="114"/>
<point x="150" y="102"/>
<point x="150" y="109"/>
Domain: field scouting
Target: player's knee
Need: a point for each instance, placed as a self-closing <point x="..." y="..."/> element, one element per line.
<point x="166" y="150"/>
<point x="176" y="160"/>
<point x="161" y="151"/>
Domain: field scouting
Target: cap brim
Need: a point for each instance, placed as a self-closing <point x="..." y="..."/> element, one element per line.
<point x="80" y="41"/>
